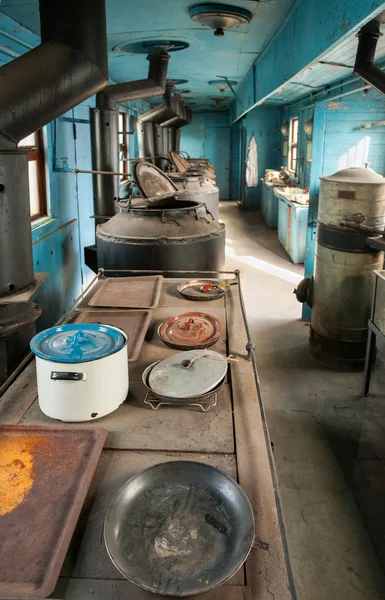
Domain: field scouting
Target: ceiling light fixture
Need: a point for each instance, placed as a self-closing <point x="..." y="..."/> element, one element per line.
<point x="219" y="17"/>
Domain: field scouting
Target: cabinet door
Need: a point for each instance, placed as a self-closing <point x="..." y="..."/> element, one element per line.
<point x="283" y="212"/>
<point x="264" y="202"/>
<point x="298" y="229"/>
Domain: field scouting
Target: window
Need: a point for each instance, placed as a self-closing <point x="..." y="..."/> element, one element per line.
<point x="34" y="143"/>
<point x="293" y="142"/>
<point x="123" y="145"/>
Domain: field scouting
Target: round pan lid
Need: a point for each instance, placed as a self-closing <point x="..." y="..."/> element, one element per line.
<point x="179" y="162"/>
<point x="152" y="182"/>
<point x="190" y="330"/>
<point x="78" y="342"/>
<point x="188" y="374"/>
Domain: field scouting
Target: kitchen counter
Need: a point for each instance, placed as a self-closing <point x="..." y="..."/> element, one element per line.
<point x="232" y="436"/>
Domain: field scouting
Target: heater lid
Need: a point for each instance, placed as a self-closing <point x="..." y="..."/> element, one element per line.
<point x="356" y="175"/>
<point x="152" y="182"/>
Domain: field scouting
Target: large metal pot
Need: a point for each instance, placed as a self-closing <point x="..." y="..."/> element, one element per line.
<point x="173" y="235"/>
<point x="198" y="188"/>
<point x="82" y="371"/>
<point x="165" y="232"/>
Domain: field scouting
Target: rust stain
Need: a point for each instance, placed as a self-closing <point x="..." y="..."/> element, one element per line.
<point x="16" y="473"/>
<point x="334" y="105"/>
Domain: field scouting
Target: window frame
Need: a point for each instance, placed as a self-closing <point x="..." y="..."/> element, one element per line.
<point x="36" y="153"/>
<point x="293" y="145"/>
<point x="124" y="145"/>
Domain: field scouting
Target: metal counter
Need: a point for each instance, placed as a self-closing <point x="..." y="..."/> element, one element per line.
<point x="232" y="436"/>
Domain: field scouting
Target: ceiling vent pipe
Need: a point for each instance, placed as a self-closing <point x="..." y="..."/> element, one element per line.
<point x="154" y="85"/>
<point x="164" y="111"/>
<point x="69" y="66"/>
<point x="104" y="130"/>
<point x="365" y="67"/>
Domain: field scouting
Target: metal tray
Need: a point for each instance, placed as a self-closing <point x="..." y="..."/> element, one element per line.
<point x="128" y="292"/>
<point x="133" y="322"/>
<point x="52" y="469"/>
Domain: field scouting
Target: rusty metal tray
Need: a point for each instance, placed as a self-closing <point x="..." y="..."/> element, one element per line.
<point x="133" y="322"/>
<point x="45" y="474"/>
<point x="128" y="292"/>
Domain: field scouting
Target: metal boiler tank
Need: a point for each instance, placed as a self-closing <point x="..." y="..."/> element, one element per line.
<point x="351" y="208"/>
<point x="197" y="187"/>
<point x="162" y="232"/>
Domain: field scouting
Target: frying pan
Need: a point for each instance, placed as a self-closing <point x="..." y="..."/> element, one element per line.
<point x="179" y="528"/>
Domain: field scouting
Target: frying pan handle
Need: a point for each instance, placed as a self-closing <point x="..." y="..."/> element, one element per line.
<point x="67" y="376"/>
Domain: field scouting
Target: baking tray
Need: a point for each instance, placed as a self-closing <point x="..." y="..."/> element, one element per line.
<point x="128" y="292"/>
<point x="45" y="474"/>
<point x="133" y="322"/>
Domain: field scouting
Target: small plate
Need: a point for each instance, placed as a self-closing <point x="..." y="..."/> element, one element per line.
<point x="192" y="290"/>
<point x="190" y="330"/>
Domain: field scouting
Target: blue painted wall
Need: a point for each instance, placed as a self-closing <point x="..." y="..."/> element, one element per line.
<point x="208" y="135"/>
<point x="263" y="123"/>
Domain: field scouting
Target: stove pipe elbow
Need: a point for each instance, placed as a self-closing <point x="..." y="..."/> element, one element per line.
<point x="365" y="67"/>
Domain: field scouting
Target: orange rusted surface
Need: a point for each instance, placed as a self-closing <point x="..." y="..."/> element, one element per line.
<point x="16" y="473"/>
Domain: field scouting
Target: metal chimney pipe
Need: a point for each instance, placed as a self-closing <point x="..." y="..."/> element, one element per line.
<point x="365" y="67"/>
<point x="164" y="111"/>
<point x="104" y="127"/>
<point x="69" y="66"/>
<point x="154" y="85"/>
<point x="146" y="144"/>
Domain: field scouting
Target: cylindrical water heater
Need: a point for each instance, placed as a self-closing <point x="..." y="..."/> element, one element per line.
<point x="351" y="208"/>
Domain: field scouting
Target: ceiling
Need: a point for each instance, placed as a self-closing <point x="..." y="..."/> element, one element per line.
<point x="319" y="74"/>
<point x="207" y="56"/>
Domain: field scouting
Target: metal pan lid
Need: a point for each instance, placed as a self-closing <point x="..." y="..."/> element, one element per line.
<point x="151" y="181"/>
<point x="180" y="163"/>
<point x="190" y="330"/>
<point x="78" y="342"/>
<point x="188" y="374"/>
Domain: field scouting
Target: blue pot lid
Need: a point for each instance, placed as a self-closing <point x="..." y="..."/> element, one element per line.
<point x="77" y="342"/>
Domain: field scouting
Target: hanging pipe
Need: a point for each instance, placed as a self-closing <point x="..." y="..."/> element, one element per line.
<point x="364" y="67"/>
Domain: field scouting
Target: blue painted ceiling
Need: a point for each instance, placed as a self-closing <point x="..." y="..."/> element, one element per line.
<point x="318" y="74"/>
<point x="207" y="56"/>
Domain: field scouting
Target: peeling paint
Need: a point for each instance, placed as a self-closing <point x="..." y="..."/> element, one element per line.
<point x="334" y="105"/>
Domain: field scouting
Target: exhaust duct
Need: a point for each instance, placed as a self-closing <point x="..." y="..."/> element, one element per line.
<point x="154" y="85"/>
<point x="365" y="67"/>
<point x="163" y="111"/>
<point x="69" y="66"/>
<point x="104" y="127"/>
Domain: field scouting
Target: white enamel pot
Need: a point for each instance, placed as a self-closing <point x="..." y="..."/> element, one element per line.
<point x="82" y="390"/>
